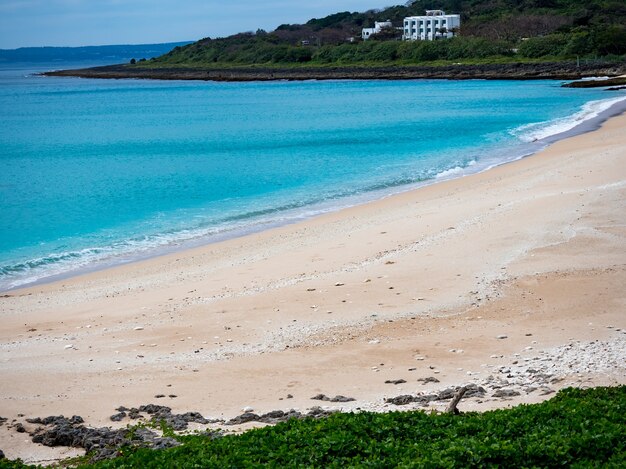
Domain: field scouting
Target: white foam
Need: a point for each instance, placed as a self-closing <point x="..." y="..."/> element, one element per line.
<point x="541" y="130"/>
<point x="456" y="171"/>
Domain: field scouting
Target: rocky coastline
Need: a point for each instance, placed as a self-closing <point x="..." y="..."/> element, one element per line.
<point x="510" y="71"/>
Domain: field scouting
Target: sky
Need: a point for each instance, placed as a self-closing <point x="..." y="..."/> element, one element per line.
<point x="27" y="23"/>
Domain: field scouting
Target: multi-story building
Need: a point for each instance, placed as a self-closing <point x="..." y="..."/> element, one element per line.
<point x="435" y="24"/>
<point x="378" y="27"/>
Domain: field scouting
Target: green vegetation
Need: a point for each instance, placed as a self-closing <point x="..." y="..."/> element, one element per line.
<point x="491" y="30"/>
<point x="577" y="428"/>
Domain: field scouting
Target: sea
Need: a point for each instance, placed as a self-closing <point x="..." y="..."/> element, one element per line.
<point x="95" y="173"/>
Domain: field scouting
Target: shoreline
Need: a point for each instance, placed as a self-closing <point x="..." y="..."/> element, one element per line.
<point x="507" y="71"/>
<point x="517" y="268"/>
<point x="616" y="107"/>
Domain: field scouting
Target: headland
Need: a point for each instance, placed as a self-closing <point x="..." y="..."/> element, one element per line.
<point x="504" y="71"/>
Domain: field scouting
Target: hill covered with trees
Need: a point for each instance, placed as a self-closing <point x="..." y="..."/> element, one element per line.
<point x="491" y="31"/>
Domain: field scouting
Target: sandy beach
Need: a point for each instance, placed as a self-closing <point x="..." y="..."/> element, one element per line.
<point x="513" y="279"/>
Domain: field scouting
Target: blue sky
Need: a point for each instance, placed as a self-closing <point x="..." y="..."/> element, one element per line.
<point x="97" y="22"/>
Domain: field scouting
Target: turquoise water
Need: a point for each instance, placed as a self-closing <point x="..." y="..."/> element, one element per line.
<point x="102" y="172"/>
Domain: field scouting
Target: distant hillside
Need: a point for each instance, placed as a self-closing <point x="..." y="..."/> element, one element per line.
<point x="115" y="53"/>
<point x="490" y="30"/>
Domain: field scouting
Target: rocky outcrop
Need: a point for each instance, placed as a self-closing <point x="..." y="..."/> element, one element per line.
<point x="160" y="413"/>
<point x="102" y="442"/>
<point x="277" y="416"/>
<point x="511" y="71"/>
<point x="447" y="394"/>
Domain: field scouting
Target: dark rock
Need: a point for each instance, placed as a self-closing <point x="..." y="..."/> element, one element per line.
<point x="338" y="398"/>
<point x="155" y="409"/>
<point x="317" y="412"/>
<point x="19" y="428"/>
<point x="103" y="442"/>
<point x="163" y="443"/>
<point x="2" y="420"/>
<point x="395" y="381"/>
<point x="118" y="417"/>
<point x="134" y="414"/>
<point x="401" y="400"/>
<point x="243" y="418"/>
<point x="474" y="390"/>
<point x="505" y="393"/>
<point x="430" y="379"/>
<point x="446" y="394"/>
<point x="274" y="414"/>
<point x="2" y="456"/>
<point x="277" y="416"/>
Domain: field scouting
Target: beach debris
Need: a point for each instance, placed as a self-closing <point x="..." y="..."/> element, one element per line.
<point x="247" y="409"/>
<point x="374" y="341"/>
<point x="455" y="401"/>
<point x="68" y="346"/>
<point x="395" y="381"/>
<point x="339" y="284"/>
<point x="337" y="398"/>
<point x="138" y="328"/>
<point x="502" y="336"/>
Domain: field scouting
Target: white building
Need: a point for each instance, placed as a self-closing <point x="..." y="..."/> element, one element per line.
<point x="436" y="24"/>
<point x="378" y="27"/>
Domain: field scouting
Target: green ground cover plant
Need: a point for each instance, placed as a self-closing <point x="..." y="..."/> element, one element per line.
<point x="576" y="428"/>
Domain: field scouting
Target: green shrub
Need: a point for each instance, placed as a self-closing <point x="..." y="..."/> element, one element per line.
<point x="536" y="47"/>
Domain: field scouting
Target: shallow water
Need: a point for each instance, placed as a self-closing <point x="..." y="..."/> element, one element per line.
<point x="100" y="172"/>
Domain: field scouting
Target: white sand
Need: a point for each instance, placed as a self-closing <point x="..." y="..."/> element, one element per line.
<point x="534" y="250"/>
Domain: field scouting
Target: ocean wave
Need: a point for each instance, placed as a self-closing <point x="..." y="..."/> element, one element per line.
<point x="70" y="262"/>
<point x="454" y="172"/>
<point x="541" y="130"/>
